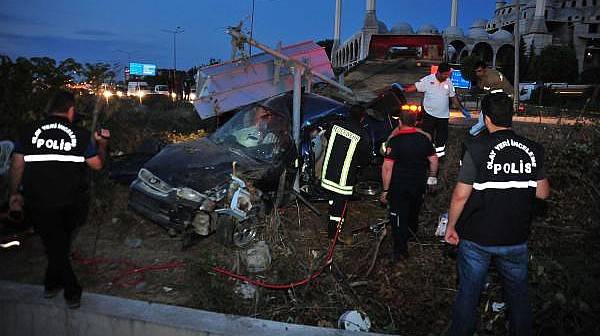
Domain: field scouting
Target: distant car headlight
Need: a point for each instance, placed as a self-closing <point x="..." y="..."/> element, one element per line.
<point x="189" y="194"/>
<point x="154" y="182"/>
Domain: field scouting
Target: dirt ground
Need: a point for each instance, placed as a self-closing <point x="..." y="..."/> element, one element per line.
<point x="120" y="253"/>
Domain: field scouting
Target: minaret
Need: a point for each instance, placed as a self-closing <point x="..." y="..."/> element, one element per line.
<point x="539" y="21"/>
<point x="453" y="30"/>
<point x="371" y="16"/>
<point x="454" y="14"/>
<point x="337" y="24"/>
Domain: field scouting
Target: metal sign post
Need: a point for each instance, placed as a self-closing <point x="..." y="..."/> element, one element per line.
<point x="517" y="54"/>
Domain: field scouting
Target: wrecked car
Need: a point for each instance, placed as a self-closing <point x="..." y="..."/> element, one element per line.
<point x="225" y="182"/>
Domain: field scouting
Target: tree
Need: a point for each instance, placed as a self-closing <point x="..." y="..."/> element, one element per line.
<point x="556" y="64"/>
<point x="591" y="76"/>
<point x="69" y="69"/>
<point x="98" y="73"/>
<point x="467" y="67"/>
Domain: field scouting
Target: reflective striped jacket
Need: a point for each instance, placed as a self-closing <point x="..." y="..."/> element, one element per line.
<point x="348" y="148"/>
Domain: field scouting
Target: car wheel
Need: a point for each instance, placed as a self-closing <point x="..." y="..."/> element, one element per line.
<point x="231" y="232"/>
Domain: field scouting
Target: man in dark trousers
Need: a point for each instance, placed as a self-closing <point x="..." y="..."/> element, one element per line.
<point x="50" y="163"/>
<point x="490" y="215"/>
<point x="410" y="165"/>
<point x="348" y="148"/>
<point x="438" y="90"/>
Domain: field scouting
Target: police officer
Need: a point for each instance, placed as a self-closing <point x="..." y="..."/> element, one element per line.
<point x="489" y="81"/>
<point x="410" y="164"/>
<point x="348" y="147"/>
<point x="490" y="214"/>
<point x="50" y="162"/>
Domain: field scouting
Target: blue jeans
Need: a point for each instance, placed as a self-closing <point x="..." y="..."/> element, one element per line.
<point x="473" y="261"/>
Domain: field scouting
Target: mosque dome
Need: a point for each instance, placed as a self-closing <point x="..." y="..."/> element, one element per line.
<point x="402" y="28"/>
<point x="428" y="29"/>
<point x="480" y="23"/>
<point x="501" y="34"/>
<point x="381" y="27"/>
<point x="478" y="33"/>
<point x="454" y="31"/>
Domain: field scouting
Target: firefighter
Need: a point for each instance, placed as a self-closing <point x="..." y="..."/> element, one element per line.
<point x="348" y="148"/>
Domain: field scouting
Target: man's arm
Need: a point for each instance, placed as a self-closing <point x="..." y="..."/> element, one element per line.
<point x="15" y="200"/>
<point x="410" y="88"/>
<point x="461" y="194"/>
<point x="433" y="165"/>
<point x="16" y="172"/>
<point x="386" y="176"/>
<point x="542" y="191"/>
<point x="97" y="162"/>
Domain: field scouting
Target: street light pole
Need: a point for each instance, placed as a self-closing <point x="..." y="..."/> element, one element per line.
<point x="175" y="31"/>
<point x="517" y="36"/>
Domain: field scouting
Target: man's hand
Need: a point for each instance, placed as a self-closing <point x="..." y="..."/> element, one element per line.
<point x="466" y="113"/>
<point x="451" y="235"/>
<point x="16" y="202"/>
<point x="383" y="198"/>
<point x="431" y="184"/>
<point x="102" y="136"/>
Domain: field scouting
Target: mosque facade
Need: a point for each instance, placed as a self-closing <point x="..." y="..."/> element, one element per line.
<point x="573" y="23"/>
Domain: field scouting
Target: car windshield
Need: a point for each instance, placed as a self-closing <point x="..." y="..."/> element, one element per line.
<point x="257" y="131"/>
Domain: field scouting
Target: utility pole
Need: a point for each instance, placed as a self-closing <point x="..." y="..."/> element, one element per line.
<point x="517" y="44"/>
<point x="175" y="31"/>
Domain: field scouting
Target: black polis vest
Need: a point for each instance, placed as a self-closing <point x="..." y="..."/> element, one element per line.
<point x="499" y="210"/>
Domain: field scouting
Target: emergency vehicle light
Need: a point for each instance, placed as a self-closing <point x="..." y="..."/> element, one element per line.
<point x="411" y="107"/>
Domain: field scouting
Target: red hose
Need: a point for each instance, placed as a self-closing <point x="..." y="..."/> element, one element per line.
<point x="132" y="270"/>
<point x="136" y="270"/>
<point x="302" y="282"/>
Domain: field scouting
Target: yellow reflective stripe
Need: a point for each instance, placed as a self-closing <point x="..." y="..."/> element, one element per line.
<point x="347" y="161"/>
<point x="336" y="190"/>
<point x="326" y="161"/>
<point x="354" y="139"/>
<point x="336" y="185"/>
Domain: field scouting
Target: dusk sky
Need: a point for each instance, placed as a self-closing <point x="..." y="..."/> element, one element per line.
<point x="111" y="31"/>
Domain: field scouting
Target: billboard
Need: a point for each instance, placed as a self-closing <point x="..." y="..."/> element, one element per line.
<point x="457" y="79"/>
<point x="142" y="69"/>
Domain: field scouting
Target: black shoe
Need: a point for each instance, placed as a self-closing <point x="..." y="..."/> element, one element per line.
<point x="74" y="302"/>
<point x="50" y="293"/>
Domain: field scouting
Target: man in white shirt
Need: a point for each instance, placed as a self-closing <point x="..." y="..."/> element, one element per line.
<point x="438" y="90"/>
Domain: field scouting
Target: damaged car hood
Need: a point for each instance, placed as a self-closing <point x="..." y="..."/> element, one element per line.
<point x="201" y="164"/>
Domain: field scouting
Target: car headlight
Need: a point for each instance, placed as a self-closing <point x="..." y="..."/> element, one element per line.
<point x="189" y="194"/>
<point x="192" y="96"/>
<point x="154" y="182"/>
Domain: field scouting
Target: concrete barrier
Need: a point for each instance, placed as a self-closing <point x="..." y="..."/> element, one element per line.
<point x="24" y="312"/>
